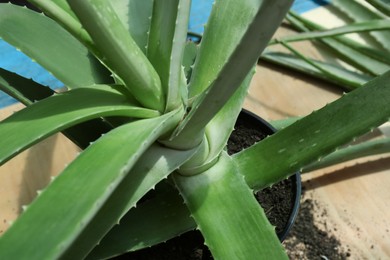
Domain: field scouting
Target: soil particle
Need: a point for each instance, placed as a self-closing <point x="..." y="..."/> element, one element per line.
<point x="311" y="236"/>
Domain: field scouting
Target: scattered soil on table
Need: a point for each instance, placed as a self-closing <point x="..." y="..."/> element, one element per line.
<point x="311" y="236"/>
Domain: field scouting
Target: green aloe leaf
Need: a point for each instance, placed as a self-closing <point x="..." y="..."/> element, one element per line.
<point x="300" y="65"/>
<point x="358" y="12"/>
<point x="211" y="55"/>
<point x="381" y="5"/>
<point x="60" y="11"/>
<point x="375" y="53"/>
<point x="88" y="184"/>
<point x="154" y="165"/>
<point x="327" y="73"/>
<point x="25" y="90"/>
<point x="47" y="5"/>
<point x="218" y="131"/>
<point x="228" y="78"/>
<point x="61" y="111"/>
<point x="372" y="147"/>
<point x="51" y="46"/>
<point x="190" y="53"/>
<point x="317" y="134"/>
<point x="233" y="224"/>
<point x="372" y="25"/>
<point x="162" y="217"/>
<point x="166" y="46"/>
<point x="118" y="50"/>
<point x="361" y="57"/>
<point x="135" y="16"/>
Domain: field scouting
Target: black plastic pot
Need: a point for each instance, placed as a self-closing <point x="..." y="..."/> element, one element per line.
<point x="252" y="121"/>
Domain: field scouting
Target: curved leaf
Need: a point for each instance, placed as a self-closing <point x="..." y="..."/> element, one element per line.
<point x="135" y="16"/>
<point x="118" y="50"/>
<point x="166" y="46"/>
<point x="317" y="134"/>
<point x="297" y="64"/>
<point x="51" y="46"/>
<point x="372" y="25"/>
<point x="381" y="5"/>
<point x="211" y="56"/>
<point x="361" y="57"/>
<point x="367" y="148"/>
<point x="60" y="11"/>
<point x="80" y="191"/>
<point x="25" y="90"/>
<point x="358" y="12"/>
<point x="232" y="222"/>
<point x="226" y="79"/>
<point x="153" y="166"/>
<point x="163" y="217"/>
<point x="61" y="111"/>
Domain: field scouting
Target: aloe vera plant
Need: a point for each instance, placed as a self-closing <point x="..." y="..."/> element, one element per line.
<point x="155" y="112"/>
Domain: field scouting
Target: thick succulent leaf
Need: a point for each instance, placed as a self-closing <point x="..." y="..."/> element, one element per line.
<point x="166" y="46"/>
<point x="221" y="126"/>
<point x="283" y="123"/>
<point x="162" y="218"/>
<point x="61" y="111"/>
<point x="327" y="73"/>
<point x="349" y="51"/>
<point x="219" y="130"/>
<point x="60" y="11"/>
<point x="211" y="56"/>
<point x="25" y="90"/>
<point x="297" y="64"/>
<point x="306" y="25"/>
<point x="80" y="191"/>
<point x="317" y="134"/>
<point x="373" y="147"/>
<point x="358" y="12"/>
<point x="232" y="222"/>
<point x="381" y="5"/>
<point x="136" y="17"/>
<point x="51" y="46"/>
<point x="372" y="25"/>
<point x="118" y="50"/>
<point x="190" y="53"/>
<point x="227" y="77"/>
<point x="46" y="5"/>
<point x="28" y="91"/>
<point x="154" y="165"/>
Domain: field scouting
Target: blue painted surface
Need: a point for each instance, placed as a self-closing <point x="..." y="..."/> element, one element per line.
<point x="201" y="9"/>
<point x="15" y="61"/>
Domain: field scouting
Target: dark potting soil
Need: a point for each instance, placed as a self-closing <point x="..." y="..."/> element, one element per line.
<point x="311" y="236"/>
<point x="277" y="203"/>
